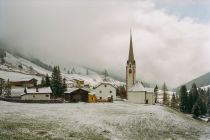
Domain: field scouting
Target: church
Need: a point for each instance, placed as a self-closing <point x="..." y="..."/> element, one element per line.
<point x="135" y="91"/>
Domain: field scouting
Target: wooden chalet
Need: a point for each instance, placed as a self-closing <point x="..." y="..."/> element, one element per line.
<point x="79" y="95"/>
<point x="25" y="83"/>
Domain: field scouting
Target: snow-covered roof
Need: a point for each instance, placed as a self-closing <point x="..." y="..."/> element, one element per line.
<point x="17" y="92"/>
<point x="137" y="87"/>
<point x="40" y="90"/>
<point x="149" y="89"/>
<point x="205" y="87"/>
<point x="15" y="76"/>
<point x="106" y="83"/>
<point x="70" y="90"/>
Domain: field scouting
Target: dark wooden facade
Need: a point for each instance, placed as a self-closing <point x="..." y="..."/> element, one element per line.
<point x="78" y="95"/>
<point x="30" y="83"/>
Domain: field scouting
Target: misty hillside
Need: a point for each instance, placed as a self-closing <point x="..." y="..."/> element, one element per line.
<point x="201" y="81"/>
<point x="16" y="67"/>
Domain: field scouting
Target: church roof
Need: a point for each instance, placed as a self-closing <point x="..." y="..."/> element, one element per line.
<point x="137" y="87"/>
<point x="131" y="54"/>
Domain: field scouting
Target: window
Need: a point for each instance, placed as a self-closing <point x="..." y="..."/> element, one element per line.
<point x="100" y="98"/>
<point x="100" y="91"/>
<point x="105" y="85"/>
<point x="33" y="96"/>
<point x="110" y="91"/>
<point x="46" y="95"/>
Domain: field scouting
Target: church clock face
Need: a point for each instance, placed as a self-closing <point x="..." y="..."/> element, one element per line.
<point x="130" y="71"/>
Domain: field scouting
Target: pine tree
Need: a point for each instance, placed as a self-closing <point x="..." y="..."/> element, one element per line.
<point x="156" y="93"/>
<point x="190" y="101"/>
<point x="122" y="92"/>
<point x="183" y="99"/>
<point x="173" y="101"/>
<point x="196" y="111"/>
<point x="105" y="75"/>
<point x="56" y="85"/>
<point x="73" y="71"/>
<point x="47" y="80"/>
<point x="165" y="95"/>
<point x="64" y="85"/>
<point x="195" y="94"/>
<point x="8" y="88"/>
<point x="43" y="82"/>
<point x="201" y="102"/>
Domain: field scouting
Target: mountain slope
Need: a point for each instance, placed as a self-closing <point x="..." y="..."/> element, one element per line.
<point x="15" y="67"/>
<point x="201" y="81"/>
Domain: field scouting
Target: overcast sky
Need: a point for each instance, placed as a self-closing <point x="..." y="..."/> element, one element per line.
<point x="171" y="38"/>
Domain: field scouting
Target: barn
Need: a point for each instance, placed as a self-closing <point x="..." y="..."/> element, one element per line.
<point x="76" y="95"/>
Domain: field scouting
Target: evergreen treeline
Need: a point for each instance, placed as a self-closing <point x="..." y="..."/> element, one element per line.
<point x="196" y="101"/>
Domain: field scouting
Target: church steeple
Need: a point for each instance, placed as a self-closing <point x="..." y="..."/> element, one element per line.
<point x="131" y="55"/>
<point x="130" y="68"/>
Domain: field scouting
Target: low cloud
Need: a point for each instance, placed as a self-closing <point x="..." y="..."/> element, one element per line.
<point x="95" y="34"/>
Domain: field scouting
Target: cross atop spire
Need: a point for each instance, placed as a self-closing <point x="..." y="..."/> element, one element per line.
<point x="131" y="55"/>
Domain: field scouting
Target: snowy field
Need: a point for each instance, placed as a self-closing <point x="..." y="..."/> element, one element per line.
<point x="115" y="121"/>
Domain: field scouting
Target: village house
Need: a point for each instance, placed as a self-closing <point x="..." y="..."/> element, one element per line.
<point x="135" y="91"/>
<point x="78" y="83"/>
<point x="37" y="94"/>
<point x="29" y="83"/>
<point x="105" y="91"/>
<point x="79" y="95"/>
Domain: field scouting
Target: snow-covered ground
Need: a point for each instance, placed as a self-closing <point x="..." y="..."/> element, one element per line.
<point x="99" y="121"/>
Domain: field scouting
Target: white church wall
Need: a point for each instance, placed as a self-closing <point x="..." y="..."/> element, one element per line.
<point x="150" y="98"/>
<point x="136" y="97"/>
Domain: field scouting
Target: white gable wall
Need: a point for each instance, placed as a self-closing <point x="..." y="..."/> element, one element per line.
<point x="38" y="96"/>
<point x="105" y="92"/>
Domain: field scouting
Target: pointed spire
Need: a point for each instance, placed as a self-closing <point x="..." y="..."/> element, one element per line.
<point x="131" y="55"/>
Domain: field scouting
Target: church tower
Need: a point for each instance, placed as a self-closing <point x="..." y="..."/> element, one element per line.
<point x="130" y="68"/>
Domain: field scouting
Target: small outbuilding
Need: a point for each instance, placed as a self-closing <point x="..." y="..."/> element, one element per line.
<point x="92" y="98"/>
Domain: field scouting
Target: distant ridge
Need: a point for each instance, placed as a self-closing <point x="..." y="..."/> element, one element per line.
<point x="201" y="81"/>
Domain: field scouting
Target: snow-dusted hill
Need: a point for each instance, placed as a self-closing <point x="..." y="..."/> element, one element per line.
<point x="20" y="65"/>
<point x="100" y="121"/>
<point x="18" y="68"/>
